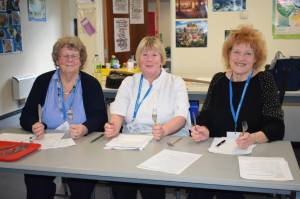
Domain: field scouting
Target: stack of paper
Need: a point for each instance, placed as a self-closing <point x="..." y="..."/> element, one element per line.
<point x="264" y="168"/>
<point x="169" y="161"/>
<point x="129" y="141"/>
<point x="50" y="140"/>
<point x="228" y="147"/>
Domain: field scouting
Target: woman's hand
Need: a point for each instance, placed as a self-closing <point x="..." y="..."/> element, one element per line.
<point x="158" y="131"/>
<point x="77" y="130"/>
<point x="110" y="130"/>
<point x="38" y="129"/>
<point x="245" y="140"/>
<point x="199" y="133"/>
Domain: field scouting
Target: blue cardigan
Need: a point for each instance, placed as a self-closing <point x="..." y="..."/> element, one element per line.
<point x="93" y="102"/>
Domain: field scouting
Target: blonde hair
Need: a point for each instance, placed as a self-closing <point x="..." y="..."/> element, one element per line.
<point x="246" y="34"/>
<point x="72" y="43"/>
<point x="150" y="42"/>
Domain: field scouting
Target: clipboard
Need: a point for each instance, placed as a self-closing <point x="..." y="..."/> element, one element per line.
<point x="13" y="151"/>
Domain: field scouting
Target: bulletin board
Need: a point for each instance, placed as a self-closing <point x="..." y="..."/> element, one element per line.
<point x="10" y="27"/>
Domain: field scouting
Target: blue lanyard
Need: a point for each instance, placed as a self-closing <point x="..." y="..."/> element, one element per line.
<point x="137" y="103"/>
<point x="235" y="115"/>
<point x="62" y="106"/>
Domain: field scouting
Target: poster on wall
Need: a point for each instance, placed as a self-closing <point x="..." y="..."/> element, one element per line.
<point x="120" y="6"/>
<point x="229" y="6"/>
<point x="121" y="36"/>
<point x="187" y="9"/>
<point x="136" y="11"/>
<point x="191" y="33"/>
<point x="37" y="10"/>
<point x="286" y="19"/>
<point x="10" y="27"/>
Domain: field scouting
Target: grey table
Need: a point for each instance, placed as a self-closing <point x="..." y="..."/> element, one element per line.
<point x="213" y="171"/>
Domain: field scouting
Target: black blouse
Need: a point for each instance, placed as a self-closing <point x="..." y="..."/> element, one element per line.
<point x="261" y="107"/>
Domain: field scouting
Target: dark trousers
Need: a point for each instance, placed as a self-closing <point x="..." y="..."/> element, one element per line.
<point x="209" y="194"/>
<point x="43" y="187"/>
<point x="129" y="191"/>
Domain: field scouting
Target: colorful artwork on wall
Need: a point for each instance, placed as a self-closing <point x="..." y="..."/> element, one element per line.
<point x="191" y="33"/>
<point x="37" y="10"/>
<point x="10" y="27"/>
<point x="286" y="19"/>
<point x="229" y="5"/>
<point x="186" y="9"/>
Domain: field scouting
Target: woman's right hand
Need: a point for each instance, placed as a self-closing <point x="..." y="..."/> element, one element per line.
<point x="110" y="130"/>
<point x="38" y="129"/>
<point x="199" y="133"/>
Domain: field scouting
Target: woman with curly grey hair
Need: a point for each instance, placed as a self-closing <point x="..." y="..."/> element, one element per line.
<point x="68" y="97"/>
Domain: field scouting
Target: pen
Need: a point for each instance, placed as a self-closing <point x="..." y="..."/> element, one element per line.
<point x="97" y="138"/>
<point x="31" y="138"/>
<point x="220" y="143"/>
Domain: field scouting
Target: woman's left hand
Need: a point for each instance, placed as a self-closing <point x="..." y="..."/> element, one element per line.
<point x="158" y="131"/>
<point x="245" y="140"/>
<point x="77" y="130"/>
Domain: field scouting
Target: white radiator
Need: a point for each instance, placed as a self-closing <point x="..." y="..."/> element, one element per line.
<point x="22" y="85"/>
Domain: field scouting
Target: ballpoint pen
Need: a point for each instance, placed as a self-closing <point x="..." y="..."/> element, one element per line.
<point x="31" y="138"/>
<point x="97" y="138"/>
<point x="172" y="143"/>
<point x="193" y="120"/>
<point x="220" y="143"/>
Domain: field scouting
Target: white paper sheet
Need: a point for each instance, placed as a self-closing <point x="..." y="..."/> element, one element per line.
<point x="264" y="168"/>
<point x="50" y="140"/>
<point x="64" y="126"/>
<point x="169" y="161"/>
<point x="129" y="142"/>
<point x="228" y="147"/>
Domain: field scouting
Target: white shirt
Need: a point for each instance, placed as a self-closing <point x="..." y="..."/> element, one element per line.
<point x="168" y="95"/>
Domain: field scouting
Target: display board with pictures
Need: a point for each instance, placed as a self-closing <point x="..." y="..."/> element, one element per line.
<point x="10" y="27"/>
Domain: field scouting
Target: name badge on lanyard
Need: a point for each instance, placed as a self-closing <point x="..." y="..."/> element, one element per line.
<point x="67" y="112"/>
<point x="138" y="102"/>
<point x="235" y="115"/>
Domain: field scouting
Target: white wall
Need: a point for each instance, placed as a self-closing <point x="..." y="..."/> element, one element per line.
<point x="165" y="22"/>
<point x="164" y="19"/>
<point x="204" y="62"/>
<point x="94" y="43"/>
<point x="38" y="39"/>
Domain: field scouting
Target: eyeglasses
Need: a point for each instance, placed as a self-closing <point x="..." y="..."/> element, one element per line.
<point x="72" y="57"/>
<point x="237" y="53"/>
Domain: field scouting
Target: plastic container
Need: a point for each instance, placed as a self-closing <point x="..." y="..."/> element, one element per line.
<point x="97" y="67"/>
<point x="114" y="62"/>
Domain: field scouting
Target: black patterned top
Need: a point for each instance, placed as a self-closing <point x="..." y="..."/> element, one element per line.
<point x="261" y="107"/>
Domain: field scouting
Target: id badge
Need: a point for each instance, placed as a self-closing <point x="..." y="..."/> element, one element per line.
<point x="233" y="135"/>
<point x="131" y="127"/>
<point x="134" y="127"/>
